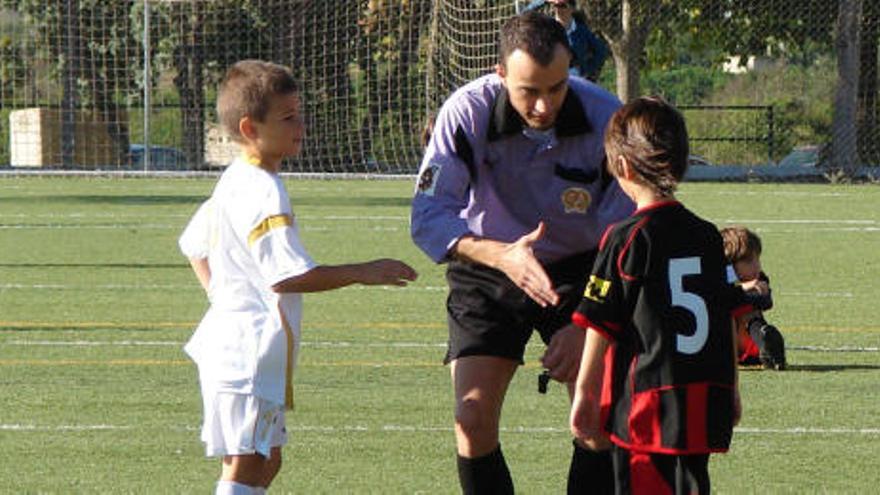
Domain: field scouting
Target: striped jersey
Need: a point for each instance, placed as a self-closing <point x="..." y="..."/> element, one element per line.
<point x="659" y="292"/>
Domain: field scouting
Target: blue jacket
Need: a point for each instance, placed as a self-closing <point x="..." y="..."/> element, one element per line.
<point x="589" y="50"/>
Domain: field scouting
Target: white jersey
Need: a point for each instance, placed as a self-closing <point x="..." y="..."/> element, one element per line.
<point x="247" y="342"/>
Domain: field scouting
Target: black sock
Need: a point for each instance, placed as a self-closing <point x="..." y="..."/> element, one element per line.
<point x="590" y="472"/>
<point x="485" y="475"/>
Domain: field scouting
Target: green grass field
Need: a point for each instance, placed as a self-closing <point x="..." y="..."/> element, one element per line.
<point x="97" y="395"/>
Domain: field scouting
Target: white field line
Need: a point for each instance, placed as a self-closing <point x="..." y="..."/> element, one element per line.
<point x="414" y="287"/>
<point x="767" y="193"/>
<point x="190" y="287"/>
<point x="762" y="230"/>
<point x="78" y="226"/>
<point x="821" y="348"/>
<point x="842" y="295"/>
<point x="400" y="218"/>
<point x="311" y="228"/>
<point x="13" y="286"/>
<point x="92" y="215"/>
<point x="159" y="226"/>
<point x="803" y="221"/>
<point x="175" y="343"/>
<point x="796" y="430"/>
<point x="346" y="218"/>
<point x="338" y="345"/>
<point x="338" y="218"/>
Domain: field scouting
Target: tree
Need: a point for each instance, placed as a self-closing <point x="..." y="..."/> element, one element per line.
<point x="868" y="92"/>
<point x="189" y="58"/>
<point x="198" y="41"/>
<point x="93" y="56"/>
<point x="626" y="25"/>
<point x="388" y="48"/>
<point x="845" y="135"/>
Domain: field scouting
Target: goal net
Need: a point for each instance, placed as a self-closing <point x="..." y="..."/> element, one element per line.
<point x="75" y="96"/>
<point x="88" y="84"/>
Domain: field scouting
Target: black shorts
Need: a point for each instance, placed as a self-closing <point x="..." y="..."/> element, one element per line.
<point x="638" y="473"/>
<point x="490" y="316"/>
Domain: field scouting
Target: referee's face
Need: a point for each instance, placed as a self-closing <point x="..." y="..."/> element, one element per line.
<point x="536" y="91"/>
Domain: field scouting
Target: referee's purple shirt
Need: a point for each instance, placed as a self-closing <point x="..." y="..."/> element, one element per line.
<point x="486" y="174"/>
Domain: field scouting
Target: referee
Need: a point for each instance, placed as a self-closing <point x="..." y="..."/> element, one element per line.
<point x="512" y="194"/>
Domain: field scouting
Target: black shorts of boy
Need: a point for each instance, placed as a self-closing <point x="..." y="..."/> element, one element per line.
<point x="638" y="473"/>
<point x="489" y="315"/>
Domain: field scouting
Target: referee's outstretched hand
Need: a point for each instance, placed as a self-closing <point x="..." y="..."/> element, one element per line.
<point x="518" y="262"/>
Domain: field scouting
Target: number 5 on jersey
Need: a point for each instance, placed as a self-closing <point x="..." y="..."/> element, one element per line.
<point x="678" y="269"/>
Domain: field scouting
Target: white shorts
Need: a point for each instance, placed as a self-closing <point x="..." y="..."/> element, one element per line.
<point x="240" y="424"/>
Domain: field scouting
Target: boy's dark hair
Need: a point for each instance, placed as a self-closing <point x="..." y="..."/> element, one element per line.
<point x="651" y="135"/>
<point x="740" y="243"/>
<point x="247" y="89"/>
<point x="534" y="33"/>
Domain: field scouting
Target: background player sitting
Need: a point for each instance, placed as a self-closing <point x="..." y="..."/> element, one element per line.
<point x="758" y="342"/>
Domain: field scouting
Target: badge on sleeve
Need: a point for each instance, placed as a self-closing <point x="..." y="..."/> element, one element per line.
<point x="597" y="289"/>
<point x="428" y="178"/>
<point x="575" y="200"/>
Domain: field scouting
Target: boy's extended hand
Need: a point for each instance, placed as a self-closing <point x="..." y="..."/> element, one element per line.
<point x="387" y="272"/>
<point x="562" y="359"/>
<point x="329" y="277"/>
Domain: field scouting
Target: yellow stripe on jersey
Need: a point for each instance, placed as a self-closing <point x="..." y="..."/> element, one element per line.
<point x="288" y="375"/>
<point x="251" y="160"/>
<point x="269" y="223"/>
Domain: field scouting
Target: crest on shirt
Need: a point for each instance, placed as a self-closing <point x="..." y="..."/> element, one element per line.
<point x="428" y="178"/>
<point x="597" y="289"/>
<point x="575" y="200"/>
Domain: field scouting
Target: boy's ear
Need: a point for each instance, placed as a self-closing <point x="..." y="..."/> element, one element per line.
<point x="247" y="128"/>
<point x="624" y="168"/>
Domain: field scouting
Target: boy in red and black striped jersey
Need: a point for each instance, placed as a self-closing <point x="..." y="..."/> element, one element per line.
<point x="758" y="342"/>
<point x="658" y="381"/>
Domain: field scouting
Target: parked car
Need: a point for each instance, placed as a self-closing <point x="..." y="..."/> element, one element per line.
<point x="698" y="160"/>
<point x="161" y="158"/>
<point x="803" y="156"/>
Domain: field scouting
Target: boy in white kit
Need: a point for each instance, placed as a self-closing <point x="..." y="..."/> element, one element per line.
<point x="244" y="247"/>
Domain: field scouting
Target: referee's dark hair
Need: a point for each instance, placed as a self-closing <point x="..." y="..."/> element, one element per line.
<point x="534" y="33"/>
<point x="651" y="135"/>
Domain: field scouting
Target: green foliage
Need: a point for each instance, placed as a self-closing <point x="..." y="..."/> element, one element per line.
<point x="684" y="84"/>
<point x="5" y="151"/>
<point x="801" y="97"/>
<point x="164" y="126"/>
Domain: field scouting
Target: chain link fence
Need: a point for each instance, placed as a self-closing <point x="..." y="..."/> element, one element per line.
<point x="89" y="84"/>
